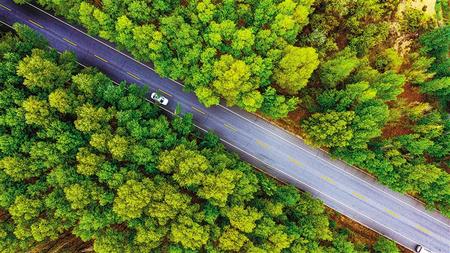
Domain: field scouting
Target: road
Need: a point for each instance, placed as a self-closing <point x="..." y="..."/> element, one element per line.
<point x="269" y="148"/>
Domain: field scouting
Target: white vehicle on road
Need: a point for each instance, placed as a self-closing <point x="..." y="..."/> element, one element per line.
<point x="160" y="99"/>
<point x="422" y="249"/>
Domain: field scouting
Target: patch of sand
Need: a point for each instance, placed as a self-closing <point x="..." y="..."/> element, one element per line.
<point x="419" y="4"/>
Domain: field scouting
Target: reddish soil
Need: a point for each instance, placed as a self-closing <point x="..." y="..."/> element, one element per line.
<point x="412" y="94"/>
<point x="65" y="243"/>
<point x="98" y="3"/>
<point x="341" y="40"/>
<point x="299" y="114"/>
<point x="396" y="129"/>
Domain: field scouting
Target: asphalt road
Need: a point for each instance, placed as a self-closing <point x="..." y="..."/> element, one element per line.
<point x="270" y="148"/>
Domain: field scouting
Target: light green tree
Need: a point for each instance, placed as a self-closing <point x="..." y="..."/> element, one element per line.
<point x="189" y="233"/>
<point x="295" y="68"/>
<point x="232" y="240"/>
<point x="132" y="198"/>
<point x="37" y="111"/>
<point x="332" y="129"/>
<point x="243" y="218"/>
<point x="338" y="68"/>
<point x="40" y="73"/>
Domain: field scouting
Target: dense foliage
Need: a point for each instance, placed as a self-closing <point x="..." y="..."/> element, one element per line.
<point x="343" y="60"/>
<point x="80" y="154"/>
<point x="355" y="108"/>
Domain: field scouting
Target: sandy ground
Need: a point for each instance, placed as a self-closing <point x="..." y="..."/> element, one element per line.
<point x="419" y="4"/>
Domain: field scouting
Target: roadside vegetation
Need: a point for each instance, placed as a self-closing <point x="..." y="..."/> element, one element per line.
<point x="368" y="80"/>
<point x="82" y="156"/>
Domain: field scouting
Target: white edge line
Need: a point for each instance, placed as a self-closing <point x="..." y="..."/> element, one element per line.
<point x="339" y="169"/>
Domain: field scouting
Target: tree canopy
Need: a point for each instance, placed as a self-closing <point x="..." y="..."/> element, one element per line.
<point x="87" y="157"/>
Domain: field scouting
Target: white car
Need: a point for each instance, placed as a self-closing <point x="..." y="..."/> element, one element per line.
<point x="160" y="99"/>
<point x="422" y="249"/>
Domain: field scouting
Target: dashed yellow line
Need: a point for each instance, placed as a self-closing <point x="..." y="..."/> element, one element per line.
<point x="35" y="23"/>
<point x="133" y="75"/>
<point x="165" y="92"/>
<point x="329" y="180"/>
<point x="100" y="58"/>
<point x="359" y="196"/>
<point x="230" y="127"/>
<point x="392" y="213"/>
<point x="424" y="230"/>
<point x="70" y="42"/>
<point x="198" y="110"/>
<point x="295" y="161"/>
<point x="262" y="144"/>
<point x="4" y="7"/>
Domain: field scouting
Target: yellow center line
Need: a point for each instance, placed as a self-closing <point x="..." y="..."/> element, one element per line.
<point x="392" y="213"/>
<point x="4" y="7"/>
<point x="134" y="76"/>
<point x="165" y="92"/>
<point x="35" y="23"/>
<point x="426" y="231"/>
<point x="198" y="110"/>
<point x="262" y="144"/>
<point x="101" y="58"/>
<point x="295" y="161"/>
<point x="70" y="42"/>
<point x="329" y="180"/>
<point x="359" y="196"/>
<point x="230" y="127"/>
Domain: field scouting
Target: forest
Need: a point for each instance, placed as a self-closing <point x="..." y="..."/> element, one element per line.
<point x="367" y="80"/>
<point x="80" y="154"/>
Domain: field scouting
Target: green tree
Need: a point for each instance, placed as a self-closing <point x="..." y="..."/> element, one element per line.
<point x="88" y="162"/>
<point x="189" y="233"/>
<point x="132" y="198"/>
<point x="389" y="60"/>
<point x="91" y="118"/>
<point x="438" y="87"/>
<point x="37" y="111"/>
<point x="40" y="73"/>
<point x="332" y="129"/>
<point x="29" y="38"/>
<point x="124" y="29"/>
<point x="295" y="68"/>
<point x="277" y="106"/>
<point x="338" y="68"/>
<point x="232" y="240"/>
<point x="78" y="196"/>
<point x="435" y="43"/>
<point x="86" y="18"/>
<point x="233" y="79"/>
<point x="389" y="85"/>
<point x="118" y="147"/>
<point x="216" y="188"/>
<point x="98" y="161"/>
<point x="187" y="166"/>
<point x="384" y="245"/>
<point x="415" y="21"/>
<point x="62" y="100"/>
<point x="243" y="218"/>
<point x="207" y="96"/>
